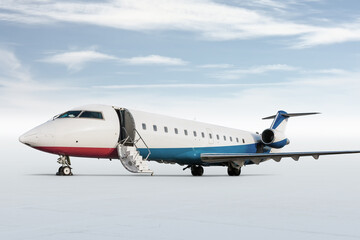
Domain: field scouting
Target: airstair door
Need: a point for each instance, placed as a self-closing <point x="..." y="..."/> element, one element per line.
<point x="127" y="127"/>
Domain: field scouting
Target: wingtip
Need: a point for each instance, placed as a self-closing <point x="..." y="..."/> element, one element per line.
<point x="270" y="117"/>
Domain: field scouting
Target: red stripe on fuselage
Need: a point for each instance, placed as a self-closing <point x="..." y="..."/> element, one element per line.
<point x="82" y="151"/>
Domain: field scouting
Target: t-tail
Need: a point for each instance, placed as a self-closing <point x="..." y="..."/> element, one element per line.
<point x="275" y="135"/>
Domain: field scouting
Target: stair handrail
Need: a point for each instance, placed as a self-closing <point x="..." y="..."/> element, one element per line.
<point x="140" y="137"/>
<point x="135" y="141"/>
<point x="125" y="140"/>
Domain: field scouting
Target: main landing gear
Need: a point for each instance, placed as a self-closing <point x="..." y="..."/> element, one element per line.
<point x="65" y="169"/>
<point x="197" y="170"/>
<point x="232" y="171"/>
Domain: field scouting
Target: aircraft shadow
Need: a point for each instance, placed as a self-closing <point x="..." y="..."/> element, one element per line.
<point x="147" y="175"/>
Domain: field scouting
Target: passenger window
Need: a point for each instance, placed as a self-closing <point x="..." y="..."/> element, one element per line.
<point x="237" y="139"/>
<point x="165" y="129"/>
<point x="144" y="126"/>
<point x="217" y="136"/>
<point x="185" y="132"/>
<point x="230" y="139"/>
<point x="70" y="114"/>
<point x="89" y="114"/>
<point x="224" y="138"/>
<point x="176" y="131"/>
<point x="203" y="134"/>
<point x="155" y="128"/>
<point x="194" y="133"/>
<point x="243" y="140"/>
<point x="210" y="136"/>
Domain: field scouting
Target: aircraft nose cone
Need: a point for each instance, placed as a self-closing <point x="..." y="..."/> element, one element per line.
<point x="42" y="135"/>
<point x="29" y="138"/>
<point x="22" y="139"/>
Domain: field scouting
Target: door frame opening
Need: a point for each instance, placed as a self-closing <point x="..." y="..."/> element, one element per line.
<point x="127" y="127"/>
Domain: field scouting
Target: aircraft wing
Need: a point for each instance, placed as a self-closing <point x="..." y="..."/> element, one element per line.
<point x="240" y="158"/>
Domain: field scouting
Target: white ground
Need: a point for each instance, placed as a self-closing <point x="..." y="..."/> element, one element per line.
<point x="288" y="200"/>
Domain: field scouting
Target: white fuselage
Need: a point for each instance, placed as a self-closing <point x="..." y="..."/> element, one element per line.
<point x="169" y="139"/>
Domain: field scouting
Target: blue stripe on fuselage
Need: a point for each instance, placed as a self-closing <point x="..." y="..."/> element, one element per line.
<point x="192" y="155"/>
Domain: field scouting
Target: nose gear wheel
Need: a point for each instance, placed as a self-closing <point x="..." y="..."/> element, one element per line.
<point x="65" y="169"/>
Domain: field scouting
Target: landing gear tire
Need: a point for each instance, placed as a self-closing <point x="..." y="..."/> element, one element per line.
<point x="59" y="172"/>
<point x="197" y="170"/>
<point x="66" y="171"/>
<point x="233" y="171"/>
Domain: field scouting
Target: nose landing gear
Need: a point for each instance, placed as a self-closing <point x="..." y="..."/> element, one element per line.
<point x="65" y="169"/>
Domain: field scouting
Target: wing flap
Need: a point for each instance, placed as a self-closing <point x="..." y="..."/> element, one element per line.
<point x="258" y="157"/>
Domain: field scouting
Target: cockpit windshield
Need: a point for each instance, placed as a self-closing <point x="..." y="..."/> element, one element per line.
<point x="80" y="114"/>
<point x="90" y="114"/>
<point x="69" y="114"/>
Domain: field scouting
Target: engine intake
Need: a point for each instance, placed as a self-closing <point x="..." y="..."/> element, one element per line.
<point x="268" y="136"/>
<point x="273" y="138"/>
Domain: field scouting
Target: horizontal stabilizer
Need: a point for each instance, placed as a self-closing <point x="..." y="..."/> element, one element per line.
<point x="291" y="115"/>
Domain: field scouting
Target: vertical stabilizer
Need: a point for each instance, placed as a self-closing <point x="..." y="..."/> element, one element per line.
<point x="275" y="135"/>
<point x="280" y="121"/>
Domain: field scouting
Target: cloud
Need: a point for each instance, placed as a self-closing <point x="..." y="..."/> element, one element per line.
<point x="11" y="68"/>
<point x="221" y="65"/>
<point x="186" y="85"/>
<point x="348" y="80"/>
<point x="76" y="60"/>
<point x="211" y="20"/>
<point x="15" y="78"/>
<point x="19" y="17"/>
<point x="266" y="68"/>
<point x="238" y="73"/>
<point x="266" y="3"/>
<point x="277" y="5"/>
<point x="336" y="80"/>
<point x="153" y="60"/>
<point x="337" y="34"/>
<point x="327" y="71"/>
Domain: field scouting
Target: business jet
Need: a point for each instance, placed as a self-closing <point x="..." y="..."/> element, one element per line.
<point x="135" y="137"/>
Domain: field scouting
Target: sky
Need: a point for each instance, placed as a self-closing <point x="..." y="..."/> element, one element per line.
<point x="222" y="62"/>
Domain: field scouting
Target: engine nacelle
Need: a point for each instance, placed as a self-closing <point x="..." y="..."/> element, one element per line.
<point x="274" y="138"/>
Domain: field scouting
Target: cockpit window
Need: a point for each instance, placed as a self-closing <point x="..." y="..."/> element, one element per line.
<point x="89" y="114"/>
<point x="69" y="114"/>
